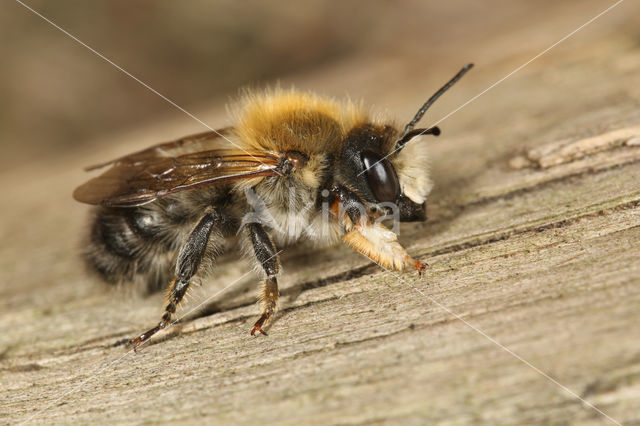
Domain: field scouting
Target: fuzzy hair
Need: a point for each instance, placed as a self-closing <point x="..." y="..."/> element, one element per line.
<point x="412" y="167"/>
<point x="284" y="120"/>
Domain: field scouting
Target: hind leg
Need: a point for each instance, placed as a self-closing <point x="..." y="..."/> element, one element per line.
<point x="189" y="260"/>
<point x="265" y="252"/>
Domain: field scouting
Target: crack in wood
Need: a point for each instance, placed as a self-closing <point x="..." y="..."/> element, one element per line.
<point x="454" y="210"/>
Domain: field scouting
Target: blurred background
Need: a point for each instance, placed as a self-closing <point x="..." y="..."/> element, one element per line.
<point x="57" y="95"/>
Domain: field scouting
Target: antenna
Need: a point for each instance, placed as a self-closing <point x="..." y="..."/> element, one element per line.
<point x="435" y="131"/>
<point x="409" y="127"/>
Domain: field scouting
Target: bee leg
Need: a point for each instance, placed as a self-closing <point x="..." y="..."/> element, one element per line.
<point x="269" y="299"/>
<point x="266" y="254"/>
<point x="381" y="246"/>
<point x="372" y="240"/>
<point x="189" y="259"/>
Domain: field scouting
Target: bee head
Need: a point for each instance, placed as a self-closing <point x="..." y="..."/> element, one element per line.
<point x="372" y="166"/>
<point x="381" y="164"/>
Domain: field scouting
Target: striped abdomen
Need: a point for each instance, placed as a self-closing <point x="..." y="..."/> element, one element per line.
<point x="137" y="243"/>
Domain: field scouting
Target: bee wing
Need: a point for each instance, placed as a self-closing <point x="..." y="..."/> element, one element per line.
<point x="142" y="177"/>
<point x="199" y="142"/>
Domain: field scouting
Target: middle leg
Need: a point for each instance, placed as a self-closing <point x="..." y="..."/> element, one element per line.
<point x="265" y="252"/>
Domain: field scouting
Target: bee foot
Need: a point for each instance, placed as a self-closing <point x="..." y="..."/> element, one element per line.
<point x="135" y="343"/>
<point x="420" y="266"/>
<point x="257" y="327"/>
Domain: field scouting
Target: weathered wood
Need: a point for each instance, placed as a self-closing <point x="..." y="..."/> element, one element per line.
<point x="533" y="245"/>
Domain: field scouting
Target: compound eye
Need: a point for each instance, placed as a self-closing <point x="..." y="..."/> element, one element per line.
<point x="381" y="176"/>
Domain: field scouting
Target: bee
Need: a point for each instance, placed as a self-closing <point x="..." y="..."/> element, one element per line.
<point x="296" y="166"/>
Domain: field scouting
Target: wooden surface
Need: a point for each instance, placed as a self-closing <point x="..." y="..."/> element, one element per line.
<point x="533" y="244"/>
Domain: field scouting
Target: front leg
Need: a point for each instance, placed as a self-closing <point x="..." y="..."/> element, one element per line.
<point x="381" y="245"/>
<point x="368" y="237"/>
<point x="265" y="252"/>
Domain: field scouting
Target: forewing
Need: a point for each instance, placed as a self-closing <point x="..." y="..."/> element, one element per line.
<point x="205" y="141"/>
<point x="141" y="178"/>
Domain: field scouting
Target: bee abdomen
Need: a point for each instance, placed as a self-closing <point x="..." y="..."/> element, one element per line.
<point x="130" y="243"/>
